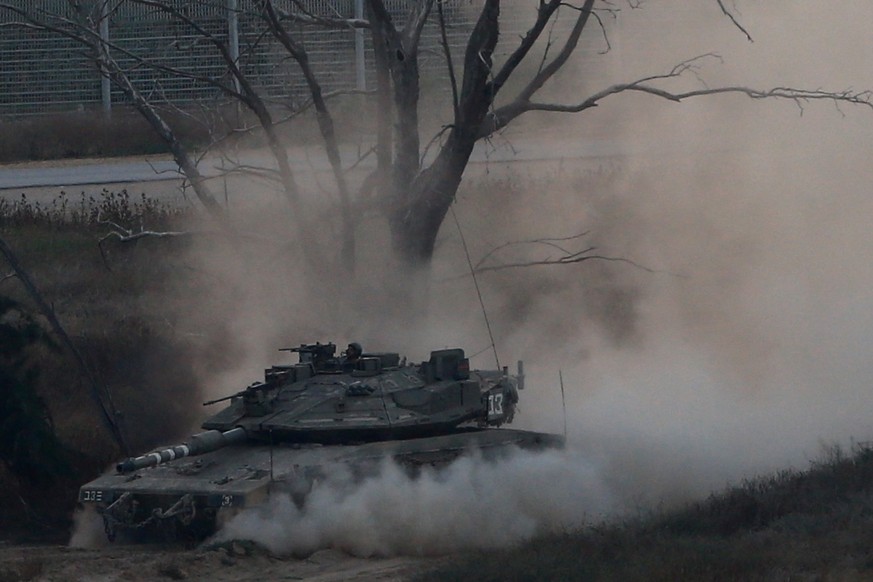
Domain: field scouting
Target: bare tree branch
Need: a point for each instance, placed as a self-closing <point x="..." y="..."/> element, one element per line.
<point x="501" y="117"/>
<point x="733" y="19"/>
<point x="552" y="242"/>
<point x="545" y="11"/>
<point x="799" y="96"/>
<point x="434" y="140"/>
<point x="568" y="260"/>
<point x="448" y="54"/>
<point x="569" y="46"/>
<point x="327" y="23"/>
<point x="415" y="22"/>
<point x="325" y="125"/>
<point x="566" y="255"/>
<point x="127" y="235"/>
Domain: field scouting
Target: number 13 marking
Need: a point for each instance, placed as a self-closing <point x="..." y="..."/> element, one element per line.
<point x="495" y="405"/>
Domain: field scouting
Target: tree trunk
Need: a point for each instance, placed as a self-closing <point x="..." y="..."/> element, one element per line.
<point x="426" y="199"/>
<point x="415" y="225"/>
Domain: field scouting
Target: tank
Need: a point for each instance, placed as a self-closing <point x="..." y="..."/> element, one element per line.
<point x="283" y="433"/>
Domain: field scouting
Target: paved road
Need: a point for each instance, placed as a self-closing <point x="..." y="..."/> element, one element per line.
<point x="22" y="176"/>
<point x="87" y="172"/>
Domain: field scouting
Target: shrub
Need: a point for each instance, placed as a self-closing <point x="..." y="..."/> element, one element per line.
<point x="28" y="445"/>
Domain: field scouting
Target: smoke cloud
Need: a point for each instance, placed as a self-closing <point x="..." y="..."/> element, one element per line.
<point x="746" y="348"/>
<point x="739" y="347"/>
<point x="471" y="504"/>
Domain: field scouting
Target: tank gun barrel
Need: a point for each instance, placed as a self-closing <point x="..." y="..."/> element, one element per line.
<point x="198" y="444"/>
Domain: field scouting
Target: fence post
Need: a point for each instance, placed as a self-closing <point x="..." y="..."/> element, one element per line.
<point x="105" y="85"/>
<point x="360" y="68"/>
<point x="233" y="35"/>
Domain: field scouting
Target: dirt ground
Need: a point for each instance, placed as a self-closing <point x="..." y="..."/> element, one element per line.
<point x="235" y="563"/>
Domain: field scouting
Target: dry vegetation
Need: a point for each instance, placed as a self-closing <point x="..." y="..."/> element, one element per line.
<point x="812" y="525"/>
<point x="107" y="301"/>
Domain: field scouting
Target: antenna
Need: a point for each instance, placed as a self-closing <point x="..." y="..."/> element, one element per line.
<point x="563" y="403"/>
<point x="476" y="283"/>
<point x="271" y="455"/>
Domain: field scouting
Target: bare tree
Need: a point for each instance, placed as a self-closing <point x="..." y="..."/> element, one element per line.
<point x="414" y="197"/>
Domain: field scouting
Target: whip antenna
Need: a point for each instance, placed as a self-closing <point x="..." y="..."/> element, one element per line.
<point x="271" y="455"/>
<point x="563" y="403"/>
<point x="476" y="283"/>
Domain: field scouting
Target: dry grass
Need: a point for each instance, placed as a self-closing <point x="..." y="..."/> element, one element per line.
<point x="812" y="525"/>
<point x="89" y="211"/>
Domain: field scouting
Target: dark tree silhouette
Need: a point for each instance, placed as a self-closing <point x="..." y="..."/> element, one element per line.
<point x="28" y="444"/>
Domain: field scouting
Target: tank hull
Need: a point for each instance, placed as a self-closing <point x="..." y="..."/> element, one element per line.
<point x="186" y="497"/>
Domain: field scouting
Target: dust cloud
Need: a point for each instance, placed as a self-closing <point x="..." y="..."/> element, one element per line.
<point x="747" y="347"/>
<point x="738" y="344"/>
<point x="471" y="504"/>
<point x="88" y="530"/>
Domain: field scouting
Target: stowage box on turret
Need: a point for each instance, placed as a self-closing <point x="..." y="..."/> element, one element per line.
<point x="280" y="434"/>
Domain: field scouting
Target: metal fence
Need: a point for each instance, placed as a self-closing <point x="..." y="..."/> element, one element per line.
<point x="42" y="72"/>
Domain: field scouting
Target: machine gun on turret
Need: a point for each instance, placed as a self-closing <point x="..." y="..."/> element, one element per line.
<point x="313" y="358"/>
<point x="318" y="354"/>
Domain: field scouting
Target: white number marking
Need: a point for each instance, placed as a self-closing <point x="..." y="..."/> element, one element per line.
<point x="92" y="496"/>
<point x="495" y="405"/>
